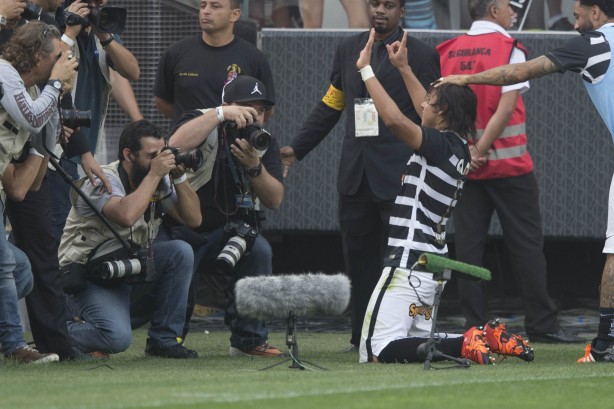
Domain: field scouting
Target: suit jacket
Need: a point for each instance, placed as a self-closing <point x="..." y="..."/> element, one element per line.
<point x="382" y="158"/>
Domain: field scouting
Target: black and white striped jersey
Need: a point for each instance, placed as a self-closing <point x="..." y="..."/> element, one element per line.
<point x="588" y="54"/>
<point x="430" y="189"/>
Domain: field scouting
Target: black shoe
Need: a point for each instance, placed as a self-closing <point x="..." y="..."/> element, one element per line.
<point x="559" y="337"/>
<point x="176" y="351"/>
<point x="562" y="24"/>
<point x="351" y="348"/>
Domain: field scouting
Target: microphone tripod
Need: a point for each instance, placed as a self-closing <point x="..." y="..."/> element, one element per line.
<point x="441" y="268"/>
<point x="292" y="344"/>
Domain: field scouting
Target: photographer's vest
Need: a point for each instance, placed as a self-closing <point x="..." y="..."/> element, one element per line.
<point x="468" y="55"/>
<point x="12" y="135"/>
<point x="209" y="150"/>
<point x="83" y="234"/>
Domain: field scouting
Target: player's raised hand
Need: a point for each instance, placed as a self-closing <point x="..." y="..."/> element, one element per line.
<point x="397" y="52"/>
<point x="365" y="55"/>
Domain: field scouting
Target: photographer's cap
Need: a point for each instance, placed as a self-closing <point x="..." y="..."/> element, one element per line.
<point x="245" y="89"/>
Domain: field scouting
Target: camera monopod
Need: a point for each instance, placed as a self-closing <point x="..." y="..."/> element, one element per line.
<point x="441" y="268"/>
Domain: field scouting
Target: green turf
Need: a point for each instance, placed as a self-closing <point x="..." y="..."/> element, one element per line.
<point x="216" y="380"/>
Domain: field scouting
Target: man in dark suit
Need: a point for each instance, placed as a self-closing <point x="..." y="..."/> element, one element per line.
<point x="372" y="159"/>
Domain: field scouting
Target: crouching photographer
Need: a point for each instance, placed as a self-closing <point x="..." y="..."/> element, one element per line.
<point x="113" y="288"/>
<point x="234" y="181"/>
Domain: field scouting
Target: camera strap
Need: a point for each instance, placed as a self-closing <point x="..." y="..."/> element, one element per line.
<point x="149" y="215"/>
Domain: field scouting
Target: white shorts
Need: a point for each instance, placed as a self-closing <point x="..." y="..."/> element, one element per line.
<point x="396" y="310"/>
<point x="609" y="234"/>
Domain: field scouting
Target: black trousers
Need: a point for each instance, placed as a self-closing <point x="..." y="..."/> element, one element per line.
<point x="363" y="220"/>
<point x="31" y="223"/>
<point x="516" y="201"/>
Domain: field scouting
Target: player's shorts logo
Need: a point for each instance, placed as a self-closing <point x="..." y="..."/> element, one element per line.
<point x="415" y="310"/>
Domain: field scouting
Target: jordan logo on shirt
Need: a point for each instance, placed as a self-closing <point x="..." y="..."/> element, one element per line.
<point x="256" y="90"/>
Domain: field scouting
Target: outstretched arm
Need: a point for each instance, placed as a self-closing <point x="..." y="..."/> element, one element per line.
<point x="401" y="126"/>
<point x="506" y="74"/>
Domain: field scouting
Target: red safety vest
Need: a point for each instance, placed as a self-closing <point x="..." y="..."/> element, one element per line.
<point x="472" y="54"/>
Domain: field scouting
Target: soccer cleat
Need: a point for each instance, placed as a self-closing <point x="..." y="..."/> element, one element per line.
<point x="475" y="347"/>
<point x="504" y="343"/>
<point x="28" y="355"/>
<point x="593" y="355"/>
<point x="259" y="350"/>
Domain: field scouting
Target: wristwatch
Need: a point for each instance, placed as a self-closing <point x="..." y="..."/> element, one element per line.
<point x="105" y="43"/>
<point x="3" y="21"/>
<point x="57" y="84"/>
<point x="255" y="171"/>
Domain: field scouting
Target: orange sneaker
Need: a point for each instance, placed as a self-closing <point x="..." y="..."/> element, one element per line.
<point x="475" y="347"/>
<point x="588" y="357"/>
<point x="259" y="350"/>
<point x="505" y="343"/>
<point x="593" y="355"/>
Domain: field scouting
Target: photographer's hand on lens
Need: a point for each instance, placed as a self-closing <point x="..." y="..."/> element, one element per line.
<point x="65" y="70"/>
<point x="245" y="153"/>
<point x="80" y="9"/>
<point x="241" y="115"/>
<point x="12" y="9"/>
<point x="178" y="172"/>
<point x="162" y="164"/>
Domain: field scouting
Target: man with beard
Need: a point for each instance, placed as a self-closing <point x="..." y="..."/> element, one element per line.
<point x="106" y="309"/>
<point x="192" y="72"/>
<point x="590" y="56"/>
<point x="372" y="158"/>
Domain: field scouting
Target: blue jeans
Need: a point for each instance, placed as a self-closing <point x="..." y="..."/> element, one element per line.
<point x="60" y="196"/>
<point x="16" y="282"/>
<point x="108" y="315"/>
<point x="246" y="333"/>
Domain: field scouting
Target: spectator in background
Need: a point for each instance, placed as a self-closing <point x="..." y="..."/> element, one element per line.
<point x="419" y="15"/>
<point x="312" y="12"/>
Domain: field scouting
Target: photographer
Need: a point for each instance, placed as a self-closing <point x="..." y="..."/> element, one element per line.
<point x="153" y="288"/>
<point x="32" y="56"/>
<point x="230" y="188"/>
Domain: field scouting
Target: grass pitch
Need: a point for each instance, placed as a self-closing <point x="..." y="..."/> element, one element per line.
<point x="216" y="380"/>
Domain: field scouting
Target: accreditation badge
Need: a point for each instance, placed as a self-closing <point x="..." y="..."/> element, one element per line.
<point x="365" y="117"/>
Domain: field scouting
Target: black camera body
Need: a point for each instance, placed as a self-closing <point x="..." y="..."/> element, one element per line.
<point x="191" y="160"/>
<point x="73" y="118"/>
<point x="256" y="135"/>
<point x="31" y="11"/>
<point x="241" y="238"/>
<point x="106" y="19"/>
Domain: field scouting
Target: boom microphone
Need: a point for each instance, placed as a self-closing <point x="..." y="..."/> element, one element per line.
<point x="302" y="294"/>
<point x="437" y="264"/>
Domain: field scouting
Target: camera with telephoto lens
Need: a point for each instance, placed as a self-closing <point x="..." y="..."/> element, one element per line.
<point x="257" y="136"/>
<point x="241" y="239"/>
<point x="192" y="159"/>
<point x="106" y="19"/>
<point x="73" y="118"/>
<point x="31" y="11"/>
<point x="129" y="268"/>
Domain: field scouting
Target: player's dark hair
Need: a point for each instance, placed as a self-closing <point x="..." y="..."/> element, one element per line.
<point x="459" y="107"/>
<point x="607" y="6"/>
<point x="236" y="4"/>
<point x="132" y="134"/>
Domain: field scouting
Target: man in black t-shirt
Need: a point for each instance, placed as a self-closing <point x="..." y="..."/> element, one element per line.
<point x="231" y="189"/>
<point x="193" y="71"/>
